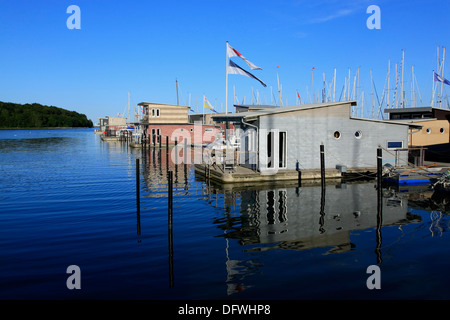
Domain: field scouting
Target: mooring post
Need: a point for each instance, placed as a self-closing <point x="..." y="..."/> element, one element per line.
<point x="138" y="202"/>
<point x="379" y="204"/>
<point x="160" y="138"/>
<point x="297" y="167"/>
<point x="185" y="151"/>
<point x="170" y="224"/>
<point x="322" y="165"/>
<point x="379" y="166"/>
<point x="170" y="195"/>
<point x="167" y="151"/>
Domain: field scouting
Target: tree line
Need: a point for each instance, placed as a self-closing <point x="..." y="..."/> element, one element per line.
<point x="35" y="115"/>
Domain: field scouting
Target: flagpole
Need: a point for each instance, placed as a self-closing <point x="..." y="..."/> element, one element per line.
<point x="226" y="81"/>
<point x="203" y="111"/>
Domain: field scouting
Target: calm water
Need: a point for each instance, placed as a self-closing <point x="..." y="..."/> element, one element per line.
<point x="67" y="198"/>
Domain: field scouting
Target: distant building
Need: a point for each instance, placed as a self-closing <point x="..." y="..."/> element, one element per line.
<point x="166" y="120"/>
<point x="112" y="125"/>
<point x="435" y="124"/>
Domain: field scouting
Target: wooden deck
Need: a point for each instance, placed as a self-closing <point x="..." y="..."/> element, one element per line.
<point x="241" y="174"/>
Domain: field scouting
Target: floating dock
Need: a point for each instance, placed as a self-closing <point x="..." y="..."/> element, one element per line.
<point x="240" y="174"/>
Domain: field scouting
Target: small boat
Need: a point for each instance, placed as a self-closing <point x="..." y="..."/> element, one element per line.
<point x="443" y="183"/>
<point x="417" y="176"/>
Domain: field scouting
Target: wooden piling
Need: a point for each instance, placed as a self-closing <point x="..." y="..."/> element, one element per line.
<point x="170" y="225"/>
<point x="170" y="196"/>
<point x="379" y="165"/>
<point x="379" y="205"/>
<point x="322" y="165"/>
<point x="138" y="202"/>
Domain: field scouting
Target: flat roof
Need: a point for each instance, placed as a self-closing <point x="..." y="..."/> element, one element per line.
<point x="250" y="115"/>
<point x="400" y="122"/>
<point x="276" y="110"/>
<point x="161" y="104"/>
<point x="413" y="109"/>
<point x="255" y="106"/>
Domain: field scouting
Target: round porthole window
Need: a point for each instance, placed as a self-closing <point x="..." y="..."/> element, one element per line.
<point x="442" y="130"/>
<point x="358" y="134"/>
<point x="337" y="134"/>
<point x="428" y="130"/>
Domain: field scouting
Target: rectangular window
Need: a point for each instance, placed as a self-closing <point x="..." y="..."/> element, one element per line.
<point x="272" y="149"/>
<point x="269" y="149"/>
<point x="282" y="150"/>
<point x="395" y="144"/>
<point x="157" y="112"/>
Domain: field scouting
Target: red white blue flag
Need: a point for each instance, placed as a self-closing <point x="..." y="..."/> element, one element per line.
<point x="234" y="53"/>
<point x="233" y="68"/>
<point x="440" y="79"/>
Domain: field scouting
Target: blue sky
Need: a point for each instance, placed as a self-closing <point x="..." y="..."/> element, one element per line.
<point x="143" y="47"/>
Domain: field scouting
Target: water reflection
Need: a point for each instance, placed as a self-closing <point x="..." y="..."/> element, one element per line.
<point x="292" y="218"/>
<point x="289" y="219"/>
<point x="257" y="220"/>
<point x="36" y="144"/>
<point x="157" y="163"/>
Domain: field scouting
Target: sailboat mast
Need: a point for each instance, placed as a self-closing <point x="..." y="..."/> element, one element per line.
<point x="271" y="95"/>
<point x="324" y="88"/>
<point x="334" y="85"/>
<point x="434" y="82"/>
<point x="128" y="107"/>
<point x="357" y="83"/>
<point x="396" y="87"/>
<point x="371" y="85"/>
<point x="362" y="104"/>
<point x="413" y="94"/>
<point x="389" y="78"/>
<point x="176" y="84"/>
<point x="401" y="90"/>
<point x="442" y="74"/>
<point x="348" y="91"/>
<point x="279" y="91"/>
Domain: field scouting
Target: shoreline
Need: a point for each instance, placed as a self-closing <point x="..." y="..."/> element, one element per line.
<point x="46" y="128"/>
